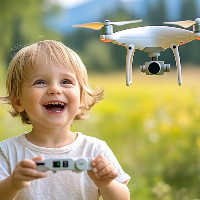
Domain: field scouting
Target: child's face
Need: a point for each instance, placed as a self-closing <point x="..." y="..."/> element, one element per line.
<point x="51" y="95"/>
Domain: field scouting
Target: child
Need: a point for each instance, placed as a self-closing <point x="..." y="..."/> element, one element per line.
<point x="47" y="87"/>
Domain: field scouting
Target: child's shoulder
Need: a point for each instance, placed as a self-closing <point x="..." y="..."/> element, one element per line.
<point x="93" y="144"/>
<point x="11" y="141"/>
<point x="91" y="139"/>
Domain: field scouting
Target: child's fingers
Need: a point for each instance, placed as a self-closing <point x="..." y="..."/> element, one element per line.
<point x="101" y="162"/>
<point x="28" y="169"/>
<point x="108" y="171"/>
<point x="30" y="163"/>
<point x="98" y="159"/>
<point x="104" y="168"/>
<point x="24" y="177"/>
<point x="25" y="172"/>
<point x="104" y="165"/>
<point x="32" y="173"/>
<point x="37" y="158"/>
<point x="110" y="175"/>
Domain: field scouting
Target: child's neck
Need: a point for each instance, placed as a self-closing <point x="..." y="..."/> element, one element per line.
<point x="51" y="139"/>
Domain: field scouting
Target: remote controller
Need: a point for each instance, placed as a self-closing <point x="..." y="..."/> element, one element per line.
<point x="74" y="164"/>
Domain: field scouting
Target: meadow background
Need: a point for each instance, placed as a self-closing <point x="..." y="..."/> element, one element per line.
<point x="152" y="126"/>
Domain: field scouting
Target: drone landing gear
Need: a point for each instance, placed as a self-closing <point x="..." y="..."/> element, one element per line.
<point x="153" y="67"/>
<point x="129" y="60"/>
<point x="178" y="62"/>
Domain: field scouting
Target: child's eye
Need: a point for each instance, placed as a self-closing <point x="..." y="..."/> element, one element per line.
<point x="39" y="82"/>
<point x="66" y="81"/>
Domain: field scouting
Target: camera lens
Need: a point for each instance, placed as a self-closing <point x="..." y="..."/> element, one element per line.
<point x="154" y="68"/>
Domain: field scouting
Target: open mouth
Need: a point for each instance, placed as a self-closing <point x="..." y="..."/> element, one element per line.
<point x="55" y="107"/>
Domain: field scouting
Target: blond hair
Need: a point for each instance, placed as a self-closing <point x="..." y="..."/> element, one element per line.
<point x="54" y="51"/>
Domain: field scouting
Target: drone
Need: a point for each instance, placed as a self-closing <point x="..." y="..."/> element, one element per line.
<point x="149" y="39"/>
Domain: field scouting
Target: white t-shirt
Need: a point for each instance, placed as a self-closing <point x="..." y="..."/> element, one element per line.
<point x="62" y="185"/>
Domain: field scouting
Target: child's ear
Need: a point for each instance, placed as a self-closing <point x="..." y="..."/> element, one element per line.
<point x="17" y="105"/>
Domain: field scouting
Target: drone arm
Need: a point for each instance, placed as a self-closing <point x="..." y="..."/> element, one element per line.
<point x="129" y="59"/>
<point x="178" y="62"/>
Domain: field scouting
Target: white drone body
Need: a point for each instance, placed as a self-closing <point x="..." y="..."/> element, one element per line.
<point x="150" y="39"/>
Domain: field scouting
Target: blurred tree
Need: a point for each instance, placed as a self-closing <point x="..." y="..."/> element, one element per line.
<point x="186" y="6"/>
<point x="157" y="13"/>
<point x="22" y="22"/>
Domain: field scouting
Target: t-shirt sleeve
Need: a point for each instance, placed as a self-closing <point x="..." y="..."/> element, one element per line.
<point x="4" y="164"/>
<point x="107" y="152"/>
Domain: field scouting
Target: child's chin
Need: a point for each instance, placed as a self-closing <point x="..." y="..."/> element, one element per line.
<point x="61" y="124"/>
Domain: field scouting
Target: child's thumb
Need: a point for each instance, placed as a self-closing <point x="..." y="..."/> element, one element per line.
<point x="37" y="158"/>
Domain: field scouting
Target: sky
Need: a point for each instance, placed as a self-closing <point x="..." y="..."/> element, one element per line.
<point x="71" y="3"/>
<point x="74" y="3"/>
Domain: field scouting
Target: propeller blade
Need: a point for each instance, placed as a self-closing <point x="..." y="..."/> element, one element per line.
<point x="125" y="22"/>
<point x="94" y="25"/>
<point x="98" y="25"/>
<point x="184" y="24"/>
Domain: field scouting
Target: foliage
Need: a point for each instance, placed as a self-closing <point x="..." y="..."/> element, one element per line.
<point x="22" y="23"/>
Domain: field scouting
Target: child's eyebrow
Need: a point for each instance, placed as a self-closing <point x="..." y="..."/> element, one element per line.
<point x="42" y="75"/>
<point x="70" y="75"/>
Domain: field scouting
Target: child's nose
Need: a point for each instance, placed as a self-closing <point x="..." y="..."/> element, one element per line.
<point x="54" y="90"/>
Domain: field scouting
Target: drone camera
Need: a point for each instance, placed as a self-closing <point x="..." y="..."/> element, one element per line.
<point x="155" y="68"/>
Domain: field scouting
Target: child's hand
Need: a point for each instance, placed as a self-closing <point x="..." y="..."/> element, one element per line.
<point x="103" y="171"/>
<point x="25" y="172"/>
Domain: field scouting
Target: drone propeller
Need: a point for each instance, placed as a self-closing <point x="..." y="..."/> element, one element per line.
<point x="185" y="24"/>
<point x="98" y="25"/>
<point x="94" y="25"/>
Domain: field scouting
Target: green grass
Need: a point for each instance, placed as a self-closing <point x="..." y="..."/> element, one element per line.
<point x="153" y="128"/>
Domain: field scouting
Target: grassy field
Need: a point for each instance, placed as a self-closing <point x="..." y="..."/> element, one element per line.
<point x="152" y="126"/>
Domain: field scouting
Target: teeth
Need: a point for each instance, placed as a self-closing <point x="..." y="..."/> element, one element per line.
<point x="55" y="111"/>
<point x="54" y="107"/>
<point x="55" y="103"/>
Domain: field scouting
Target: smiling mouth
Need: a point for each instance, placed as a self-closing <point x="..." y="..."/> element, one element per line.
<point x="55" y="107"/>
